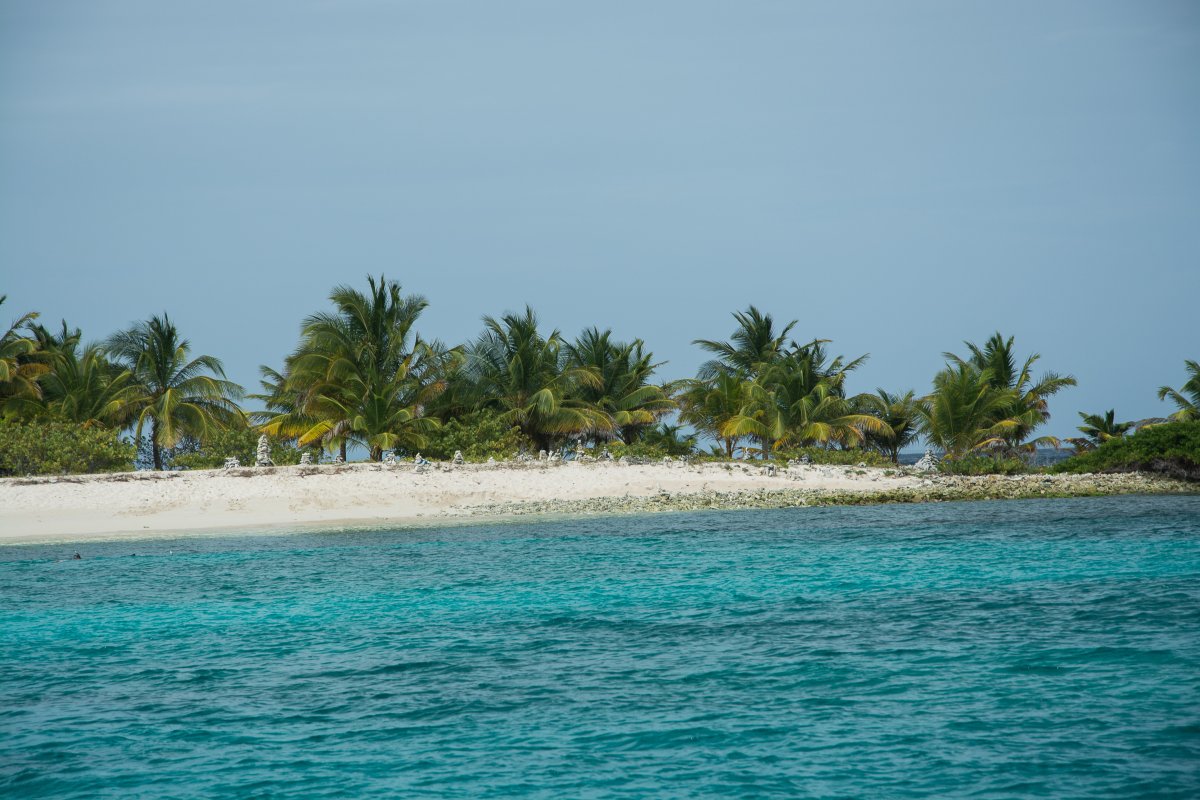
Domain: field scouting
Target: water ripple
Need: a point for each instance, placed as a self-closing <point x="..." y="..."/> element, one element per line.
<point x="1041" y="648"/>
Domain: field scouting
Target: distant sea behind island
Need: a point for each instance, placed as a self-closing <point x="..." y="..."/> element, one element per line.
<point x="1042" y="648"/>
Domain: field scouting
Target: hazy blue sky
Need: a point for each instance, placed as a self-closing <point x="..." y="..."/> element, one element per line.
<point x="898" y="176"/>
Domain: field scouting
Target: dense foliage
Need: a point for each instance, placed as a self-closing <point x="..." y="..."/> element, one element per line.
<point x="983" y="465"/>
<point x="1171" y="448"/>
<point x="55" y="448"/>
<point x="478" y="435"/>
<point x="363" y="376"/>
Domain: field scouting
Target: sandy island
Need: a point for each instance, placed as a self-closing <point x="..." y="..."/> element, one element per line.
<point x="144" y="504"/>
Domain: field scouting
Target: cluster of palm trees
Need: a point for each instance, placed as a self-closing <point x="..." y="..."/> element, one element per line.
<point x="142" y="379"/>
<point x="361" y="375"/>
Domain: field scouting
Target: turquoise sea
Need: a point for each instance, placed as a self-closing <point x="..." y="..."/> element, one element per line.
<point x="1005" y="649"/>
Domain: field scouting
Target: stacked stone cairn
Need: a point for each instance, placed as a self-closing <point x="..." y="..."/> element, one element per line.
<point x="306" y="459"/>
<point x="928" y="462"/>
<point x="232" y="463"/>
<point x="338" y="459"/>
<point x="606" y="455"/>
<point x="389" y="458"/>
<point x="458" y="458"/>
<point x="263" y="457"/>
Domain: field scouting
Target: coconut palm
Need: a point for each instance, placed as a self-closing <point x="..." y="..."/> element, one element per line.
<point x="1187" y="398"/>
<point x="967" y="411"/>
<point x="1028" y="406"/>
<point x="360" y="375"/>
<point x="1099" y="429"/>
<point x="530" y="380"/>
<point x="799" y="400"/>
<point x="81" y="384"/>
<point x="900" y="413"/>
<point x="178" y="396"/>
<point x="708" y="405"/>
<point x="19" y="368"/>
<point x="670" y="439"/>
<point x="754" y="344"/>
<point x="624" y="392"/>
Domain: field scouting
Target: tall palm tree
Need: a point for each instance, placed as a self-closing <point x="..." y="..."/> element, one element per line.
<point x="361" y="374"/>
<point x="754" y="344"/>
<point x="1187" y="398"/>
<point x="19" y="369"/>
<point x="624" y="392"/>
<point x="900" y="413"/>
<point x="1097" y="430"/>
<point x="529" y="379"/>
<point x="1028" y="406"/>
<point x="967" y="411"/>
<point x="177" y="395"/>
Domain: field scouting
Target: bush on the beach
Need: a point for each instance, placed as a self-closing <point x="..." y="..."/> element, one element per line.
<point x="479" y="435"/>
<point x="1171" y="449"/>
<point x="983" y="465"/>
<point x="845" y="458"/>
<point x="239" y="442"/>
<point x="57" y="448"/>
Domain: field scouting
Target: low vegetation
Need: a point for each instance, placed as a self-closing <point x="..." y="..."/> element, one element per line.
<point x="1171" y="448"/>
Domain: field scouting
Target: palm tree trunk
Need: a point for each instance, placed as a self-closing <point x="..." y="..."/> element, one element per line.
<point x="155" y="447"/>
<point x="377" y="454"/>
<point x="343" y="450"/>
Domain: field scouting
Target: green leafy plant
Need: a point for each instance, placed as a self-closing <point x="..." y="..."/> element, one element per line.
<point x="1171" y="448"/>
<point x="55" y="448"/>
<point x="479" y="435"/>
<point x="983" y="465"/>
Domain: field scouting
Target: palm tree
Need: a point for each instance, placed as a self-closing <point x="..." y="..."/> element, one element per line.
<point x="1098" y="429"/>
<point x="799" y="400"/>
<point x="361" y="374"/>
<point x="901" y="413"/>
<point x="81" y="384"/>
<point x="624" y="392"/>
<point x="754" y="344"/>
<point x="174" y="393"/>
<point x="1188" y="397"/>
<point x="529" y="379"/>
<point x="709" y="405"/>
<point x="671" y="439"/>
<point x="19" y="370"/>
<point x="1028" y="407"/>
<point x="966" y="411"/>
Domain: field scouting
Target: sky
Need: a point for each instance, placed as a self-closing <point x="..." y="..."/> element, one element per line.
<point x="899" y="177"/>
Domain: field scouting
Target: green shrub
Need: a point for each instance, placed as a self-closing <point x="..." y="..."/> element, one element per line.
<point x="983" y="465"/>
<point x="846" y="458"/>
<point x="1172" y="448"/>
<point x="635" y="450"/>
<point x="56" y="448"/>
<point x="479" y="435"/>
<point x="211" y="452"/>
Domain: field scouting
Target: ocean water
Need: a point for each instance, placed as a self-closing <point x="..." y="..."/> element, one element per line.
<point x="1013" y="649"/>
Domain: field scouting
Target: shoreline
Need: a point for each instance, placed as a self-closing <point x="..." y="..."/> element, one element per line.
<point x="142" y="505"/>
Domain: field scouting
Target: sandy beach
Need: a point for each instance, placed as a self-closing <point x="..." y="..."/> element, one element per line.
<point x="146" y="504"/>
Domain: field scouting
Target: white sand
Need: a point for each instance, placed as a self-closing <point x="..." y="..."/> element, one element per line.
<point x="146" y="504"/>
